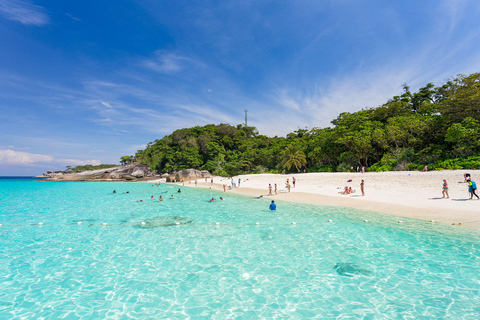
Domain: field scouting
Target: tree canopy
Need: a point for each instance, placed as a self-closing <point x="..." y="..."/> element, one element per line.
<point x="437" y="126"/>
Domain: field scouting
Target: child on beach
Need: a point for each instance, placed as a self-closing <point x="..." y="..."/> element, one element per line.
<point x="445" y="189"/>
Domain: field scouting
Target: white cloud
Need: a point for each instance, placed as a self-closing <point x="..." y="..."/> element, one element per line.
<point x="164" y="62"/>
<point x="72" y="17"/>
<point x="76" y="162"/>
<point x="22" y="158"/>
<point x="23" y="11"/>
<point x="106" y="104"/>
<point x="19" y="158"/>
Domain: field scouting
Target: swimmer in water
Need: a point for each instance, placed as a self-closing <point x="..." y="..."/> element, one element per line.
<point x="273" y="206"/>
<point x="179" y="191"/>
<point x="160" y="198"/>
<point x="221" y="198"/>
<point x="171" y="197"/>
<point x="213" y="199"/>
<point x="139" y="200"/>
<point x="153" y="198"/>
<point x="114" y="191"/>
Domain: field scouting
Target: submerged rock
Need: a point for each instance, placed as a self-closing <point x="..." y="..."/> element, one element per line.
<point x="163" y="222"/>
<point x="350" y="269"/>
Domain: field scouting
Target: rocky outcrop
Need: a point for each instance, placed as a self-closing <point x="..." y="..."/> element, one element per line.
<point x="131" y="172"/>
<point x="188" y="174"/>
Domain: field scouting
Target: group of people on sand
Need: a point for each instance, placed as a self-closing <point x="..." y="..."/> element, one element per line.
<point x="349" y="190"/>
<point x="472" y="187"/>
<point x="287" y="186"/>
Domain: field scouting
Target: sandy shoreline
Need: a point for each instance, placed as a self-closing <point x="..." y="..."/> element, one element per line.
<point x="408" y="194"/>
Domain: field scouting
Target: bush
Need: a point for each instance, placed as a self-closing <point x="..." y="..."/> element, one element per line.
<point x="326" y="168"/>
<point x="220" y="172"/>
<point x="472" y="162"/>
<point x="343" y="167"/>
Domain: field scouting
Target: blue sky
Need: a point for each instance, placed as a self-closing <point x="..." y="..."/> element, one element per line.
<point x="90" y="81"/>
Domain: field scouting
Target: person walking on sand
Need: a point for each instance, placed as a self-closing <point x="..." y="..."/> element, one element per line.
<point x="362" y="186"/>
<point x="472" y="187"/>
<point x="224" y="187"/>
<point x="275" y="188"/>
<point x="445" y="189"/>
<point x="269" y="189"/>
<point x="293" y="181"/>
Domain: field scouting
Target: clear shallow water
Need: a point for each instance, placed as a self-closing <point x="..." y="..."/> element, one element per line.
<point x="237" y="269"/>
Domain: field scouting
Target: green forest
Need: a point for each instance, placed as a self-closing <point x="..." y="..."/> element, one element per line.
<point x="436" y="126"/>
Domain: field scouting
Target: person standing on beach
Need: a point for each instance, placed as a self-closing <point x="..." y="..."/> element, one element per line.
<point x="224" y="187"/>
<point x="239" y="180"/>
<point x="472" y="187"/>
<point x="293" y="181"/>
<point x="445" y="189"/>
<point x="362" y="185"/>
<point x="269" y="189"/>
<point x="275" y="188"/>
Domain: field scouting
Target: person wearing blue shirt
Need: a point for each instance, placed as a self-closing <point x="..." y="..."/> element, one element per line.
<point x="273" y="206"/>
<point x="472" y="187"/>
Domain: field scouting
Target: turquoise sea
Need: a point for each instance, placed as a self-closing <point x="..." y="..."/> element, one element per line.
<point x="193" y="259"/>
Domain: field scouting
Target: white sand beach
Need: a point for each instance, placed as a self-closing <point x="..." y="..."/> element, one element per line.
<point x="409" y="194"/>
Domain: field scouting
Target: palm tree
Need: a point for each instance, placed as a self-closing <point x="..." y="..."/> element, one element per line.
<point x="293" y="156"/>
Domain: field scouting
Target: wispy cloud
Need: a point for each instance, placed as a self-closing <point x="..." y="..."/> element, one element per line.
<point x="164" y="62"/>
<point x="72" y="17"/>
<point x="19" y="158"/>
<point x="24" y="11"/>
<point x="106" y="104"/>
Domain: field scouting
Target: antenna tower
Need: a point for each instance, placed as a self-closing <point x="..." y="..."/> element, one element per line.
<point x="246" y="123"/>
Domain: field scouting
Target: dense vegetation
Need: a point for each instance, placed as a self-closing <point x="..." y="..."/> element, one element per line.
<point x="436" y="126"/>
